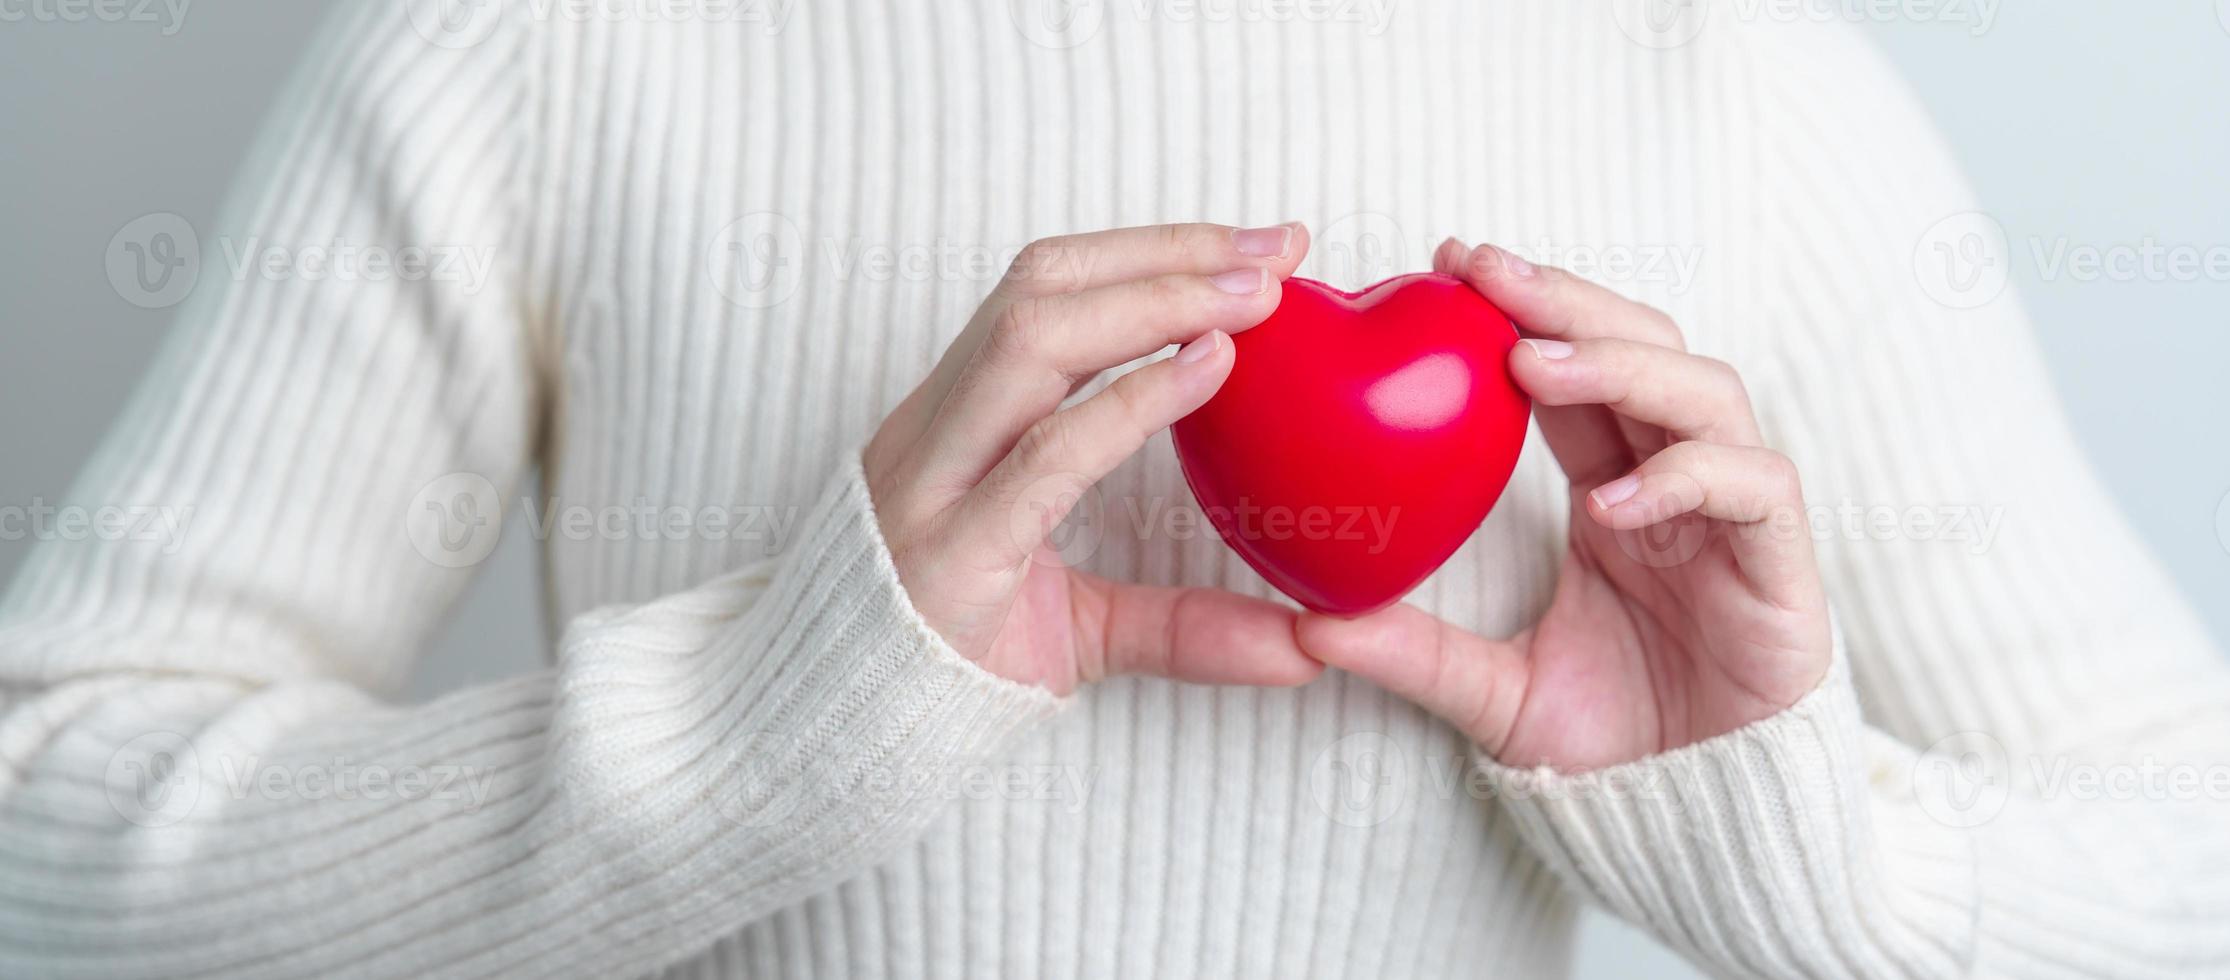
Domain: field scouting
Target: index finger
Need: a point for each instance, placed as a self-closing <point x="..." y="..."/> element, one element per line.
<point x="1072" y="263"/>
<point x="1550" y="302"/>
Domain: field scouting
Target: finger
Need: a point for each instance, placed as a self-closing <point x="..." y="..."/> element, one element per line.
<point x="1071" y="263"/>
<point x="1469" y="681"/>
<point x="1551" y="302"/>
<point x="1043" y="346"/>
<point x="1753" y="489"/>
<point x="1058" y="459"/>
<point x="1587" y="440"/>
<point x="1688" y="396"/>
<point x="1201" y="636"/>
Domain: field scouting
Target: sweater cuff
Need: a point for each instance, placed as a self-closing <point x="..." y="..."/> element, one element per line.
<point x="822" y="713"/>
<point x="1760" y="851"/>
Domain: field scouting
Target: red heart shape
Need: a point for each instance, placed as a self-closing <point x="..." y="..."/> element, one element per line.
<point x="1360" y="439"/>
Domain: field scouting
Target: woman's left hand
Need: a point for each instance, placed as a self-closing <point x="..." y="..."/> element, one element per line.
<point x="1689" y="603"/>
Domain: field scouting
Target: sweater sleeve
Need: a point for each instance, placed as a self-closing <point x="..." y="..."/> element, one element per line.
<point x="200" y="771"/>
<point x="2016" y="766"/>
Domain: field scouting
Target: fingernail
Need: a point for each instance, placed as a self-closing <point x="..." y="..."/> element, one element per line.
<point x="1548" y="350"/>
<point x="1242" y="282"/>
<point x="1200" y="348"/>
<point x="1263" y="243"/>
<point x="1616" y="492"/>
<point x="1515" y="264"/>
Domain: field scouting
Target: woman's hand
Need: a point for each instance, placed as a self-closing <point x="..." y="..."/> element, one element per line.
<point x="973" y="470"/>
<point x="1688" y="604"/>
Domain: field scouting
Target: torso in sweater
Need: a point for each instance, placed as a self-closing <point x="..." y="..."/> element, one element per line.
<point x="722" y="248"/>
<point x="768" y="239"/>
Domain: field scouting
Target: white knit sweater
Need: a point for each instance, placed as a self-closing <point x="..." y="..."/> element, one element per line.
<point x="748" y="756"/>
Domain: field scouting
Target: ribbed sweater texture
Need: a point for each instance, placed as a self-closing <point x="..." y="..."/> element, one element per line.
<point x="720" y="247"/>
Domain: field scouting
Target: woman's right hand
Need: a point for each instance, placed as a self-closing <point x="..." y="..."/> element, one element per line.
<point x="973" y="470"/>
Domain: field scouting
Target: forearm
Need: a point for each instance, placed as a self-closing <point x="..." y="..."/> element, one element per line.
<point x="688" y="766"/>
<point x="1810" y="845"/>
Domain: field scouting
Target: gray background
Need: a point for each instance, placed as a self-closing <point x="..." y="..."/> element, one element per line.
<point x="2100" y="124"/>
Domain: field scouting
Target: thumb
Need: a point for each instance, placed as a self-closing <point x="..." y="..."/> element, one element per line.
<point x="1469" y="681"/>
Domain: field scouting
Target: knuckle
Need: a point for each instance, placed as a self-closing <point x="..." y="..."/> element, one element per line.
<point x="1692" y="458"/>
<point x="1727" y="381"/>
<point x="1170" y="293"/>
<point x="1785" y="477"/>
<point x="1038" y="265"/>
<point x="1046" y="442"/>
<point x="1019" y="331"/>
<point x="1132" y="404"/>
<point x="1662" y="325"/>
<point x="1184" y="240"/>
